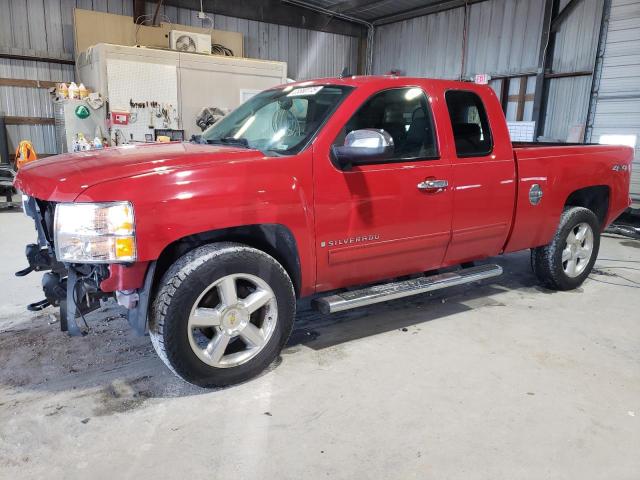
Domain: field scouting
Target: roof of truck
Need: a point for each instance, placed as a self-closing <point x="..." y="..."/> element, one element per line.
<point x="361" y="80"/>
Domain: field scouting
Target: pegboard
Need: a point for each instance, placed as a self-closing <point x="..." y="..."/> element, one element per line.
<point x="142" y="82"/>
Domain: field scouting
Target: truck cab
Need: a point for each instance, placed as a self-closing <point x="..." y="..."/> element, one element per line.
<point x="443" y="196"/>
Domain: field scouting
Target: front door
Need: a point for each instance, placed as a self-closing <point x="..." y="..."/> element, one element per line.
<point x="382" y="220"/>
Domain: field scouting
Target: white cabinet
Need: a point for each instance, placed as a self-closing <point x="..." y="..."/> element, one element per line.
<point x="214" y="81"/>
<point x="191" y="81"/>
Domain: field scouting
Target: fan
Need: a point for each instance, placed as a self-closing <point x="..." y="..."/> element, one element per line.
<point x="190" y="42"/>
<point x="185" y="43"/>
<point x="284" y="118"/>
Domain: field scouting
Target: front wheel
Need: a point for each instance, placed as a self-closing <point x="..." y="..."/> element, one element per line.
<point x="567" y="260"/>
<point x="222" y="314"/>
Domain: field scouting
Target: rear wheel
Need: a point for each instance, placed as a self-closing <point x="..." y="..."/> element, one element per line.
<point x="222" y="314"/>
<point x="567" y="260"/>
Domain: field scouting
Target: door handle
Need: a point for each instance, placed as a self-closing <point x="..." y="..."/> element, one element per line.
<point x="434" y="186"/>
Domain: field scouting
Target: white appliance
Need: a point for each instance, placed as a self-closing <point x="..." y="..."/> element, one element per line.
<point x="189" y="42"/>
<point x="122" y="73"/>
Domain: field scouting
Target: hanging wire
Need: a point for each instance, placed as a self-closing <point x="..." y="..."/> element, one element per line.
<point x="148" y="21"/>
<point x="219" y="49"/>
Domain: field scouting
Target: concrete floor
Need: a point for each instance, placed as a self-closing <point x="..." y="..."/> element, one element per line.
<point x="496" y="380"/>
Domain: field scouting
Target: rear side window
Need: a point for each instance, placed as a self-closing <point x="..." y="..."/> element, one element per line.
<point x="470" y="124"/>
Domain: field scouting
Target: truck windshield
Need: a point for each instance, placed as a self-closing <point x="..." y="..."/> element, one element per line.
<point x="279" y="122"/>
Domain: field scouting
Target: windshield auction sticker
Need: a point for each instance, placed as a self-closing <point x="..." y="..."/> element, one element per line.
<point x="299" y="92"/>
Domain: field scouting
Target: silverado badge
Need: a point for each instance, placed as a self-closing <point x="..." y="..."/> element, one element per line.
<point x="350" y="240"/>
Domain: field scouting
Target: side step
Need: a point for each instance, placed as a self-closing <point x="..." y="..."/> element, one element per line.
<point x="391" y="291"/>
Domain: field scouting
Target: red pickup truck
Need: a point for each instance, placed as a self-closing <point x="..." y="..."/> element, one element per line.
<point x="348" y="189"/>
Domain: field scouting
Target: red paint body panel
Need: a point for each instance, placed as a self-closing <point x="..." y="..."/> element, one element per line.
<point x="218" y="191"/>
<point x="350" y="227"/>
<point x="124" y="277"/>
<point x="561" y="170"/>
<point x="483" y="189"/>
<point x="411" y="227"/>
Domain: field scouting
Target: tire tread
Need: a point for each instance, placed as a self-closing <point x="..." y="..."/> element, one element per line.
<point x="169" y="289"/>
<point x="543" y="259"/>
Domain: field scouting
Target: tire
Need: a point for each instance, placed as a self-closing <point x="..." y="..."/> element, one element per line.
<point x="201" y="334"/>
<point x="554" y="264"/>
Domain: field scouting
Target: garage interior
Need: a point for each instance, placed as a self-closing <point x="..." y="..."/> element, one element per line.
<point x="499" y="379"/>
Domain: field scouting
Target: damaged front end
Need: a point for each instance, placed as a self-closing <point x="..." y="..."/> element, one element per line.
<point x="80" y="287"/>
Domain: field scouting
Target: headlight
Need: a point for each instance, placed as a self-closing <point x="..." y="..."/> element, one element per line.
<point x="95" y="232"/>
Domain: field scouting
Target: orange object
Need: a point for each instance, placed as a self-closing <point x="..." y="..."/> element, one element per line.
<point x="125" y="247"/>
<point x="25" y="153"/>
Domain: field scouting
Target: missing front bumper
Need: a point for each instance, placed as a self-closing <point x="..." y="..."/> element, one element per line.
<point x="78" y="288"/>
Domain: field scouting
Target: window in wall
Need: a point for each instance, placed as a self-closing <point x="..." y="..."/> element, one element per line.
<point x="470" y="123"/>
<point x="516" y="96"/>
<point x="404" y="114"/>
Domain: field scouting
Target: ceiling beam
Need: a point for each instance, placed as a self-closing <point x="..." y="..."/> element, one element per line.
<point x="29" y="120"/>
<point x="35" y="58"/>
<point x="440" y="6"/>
<point x="347" y="5"/>
<point x="275" y="11"/>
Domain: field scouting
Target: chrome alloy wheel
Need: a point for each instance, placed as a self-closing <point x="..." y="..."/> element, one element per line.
<point x="232" y="320"/>
<point x="578" y="250"/>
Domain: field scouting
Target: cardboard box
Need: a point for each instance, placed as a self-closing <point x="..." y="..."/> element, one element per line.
<point x="93" y="27"/>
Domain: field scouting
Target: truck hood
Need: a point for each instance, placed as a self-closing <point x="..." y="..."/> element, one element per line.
<point x="63" y="177"/>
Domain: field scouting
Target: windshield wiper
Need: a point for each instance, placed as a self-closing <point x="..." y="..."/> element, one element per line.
<point x="236" y="142"/>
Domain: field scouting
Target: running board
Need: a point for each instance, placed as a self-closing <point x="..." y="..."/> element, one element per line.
<point x="406" y="288"/>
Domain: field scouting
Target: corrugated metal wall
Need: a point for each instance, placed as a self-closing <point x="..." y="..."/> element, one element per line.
<point x="577" y="40"/>
<point x="428" y="46"/>
<point x="617" y="109"/>
<point x="567" y="106"/>
<point x="575" y="50"/>
<point x="45" y="28"/>
<point x="503" y="39"/>
<point x="308" y="53"/>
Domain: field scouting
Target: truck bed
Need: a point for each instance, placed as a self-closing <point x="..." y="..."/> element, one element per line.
<point x="548" y="144"/>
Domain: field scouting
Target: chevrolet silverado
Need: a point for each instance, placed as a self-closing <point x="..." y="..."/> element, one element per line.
<point x="354" y="190"/>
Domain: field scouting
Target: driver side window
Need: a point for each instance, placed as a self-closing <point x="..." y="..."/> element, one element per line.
<point x="405" y="115"/>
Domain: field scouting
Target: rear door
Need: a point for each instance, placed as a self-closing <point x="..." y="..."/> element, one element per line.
<point x="377" y="221"/>
<point x="484" y="176"/>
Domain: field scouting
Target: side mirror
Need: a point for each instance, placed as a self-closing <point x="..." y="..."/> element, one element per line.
<point x="365" y="146"/>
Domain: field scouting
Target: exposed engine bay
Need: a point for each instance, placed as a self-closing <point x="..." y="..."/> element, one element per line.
<point x="75" y="288"/>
